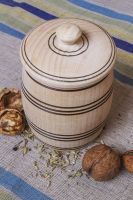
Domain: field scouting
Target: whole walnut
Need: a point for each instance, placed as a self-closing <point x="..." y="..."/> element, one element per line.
<point x="127" y="159"/>
<point x="12" y="122"/>
<point x="101" y="162"/>
<point x="10" y="98"/>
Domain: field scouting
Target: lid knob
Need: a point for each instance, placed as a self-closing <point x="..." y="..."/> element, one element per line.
<point x="68" y="33"/>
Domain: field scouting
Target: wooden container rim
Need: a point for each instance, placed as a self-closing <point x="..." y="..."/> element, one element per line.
<point x="66" y="83"/>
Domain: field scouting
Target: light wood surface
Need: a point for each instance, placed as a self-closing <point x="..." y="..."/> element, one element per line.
<point x="72" y="66"/>
<point x="67" y="98"/>
<point x="68" y="34"/>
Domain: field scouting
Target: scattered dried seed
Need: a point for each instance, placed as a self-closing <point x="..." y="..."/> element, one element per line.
<point x="16" y="147"/>
<point x="25" y="150"/>
<point x="53" y="159"/>
<point x="78" y="173"/>
<point x="46" y="175"/>
<point x="35" y="164"/>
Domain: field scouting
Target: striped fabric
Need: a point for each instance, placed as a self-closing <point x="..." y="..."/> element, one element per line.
<point x="24" y="191"/>
<point x="18" y="17"/>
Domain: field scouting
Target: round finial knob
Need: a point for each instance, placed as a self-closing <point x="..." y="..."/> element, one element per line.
<point x="68" y="33"/>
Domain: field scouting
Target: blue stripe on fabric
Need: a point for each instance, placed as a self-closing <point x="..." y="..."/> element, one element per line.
<point x="122" y="78"/>
<point x="126" y="46"/>
<point x="19" y="187"/>
<point x="121" y="44"/>
<point x="20" y="35"/>
<point x="6" y="29"/>
<point x="36" y="11"/>
<point x="102" y="10"/>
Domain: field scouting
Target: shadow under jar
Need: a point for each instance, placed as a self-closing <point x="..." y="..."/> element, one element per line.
<point x="67" y="81"/>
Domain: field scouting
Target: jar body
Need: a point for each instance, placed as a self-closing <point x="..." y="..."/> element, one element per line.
<point x="66" y="118"/>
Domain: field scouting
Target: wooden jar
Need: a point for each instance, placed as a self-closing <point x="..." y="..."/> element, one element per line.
<point x="67" y="81"/>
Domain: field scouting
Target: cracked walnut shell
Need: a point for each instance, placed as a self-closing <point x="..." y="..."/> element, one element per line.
<point x="10" y="98"/>
<point x="101" y="162"/>
<point x="12" y="122"/>
<point x="3" y="93"/>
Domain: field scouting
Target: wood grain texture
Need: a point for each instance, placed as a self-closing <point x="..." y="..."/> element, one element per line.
<point x="66" y="105"/>
<point x="76" y="67"/>
<point x="64" y="116"/>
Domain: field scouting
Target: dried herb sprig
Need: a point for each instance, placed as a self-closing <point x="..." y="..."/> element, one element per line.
<point x="77" y="173"/>
<point x="16" y="147"/>
<point x="35" y="164"/>
<point x="52" y="158"/>
<point x="27" y="134"/>
<point x="24" y="147"/>
<point x="48" y="177"/>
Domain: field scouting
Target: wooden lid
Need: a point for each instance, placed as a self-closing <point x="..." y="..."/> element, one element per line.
<point x="68" y="53"/>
